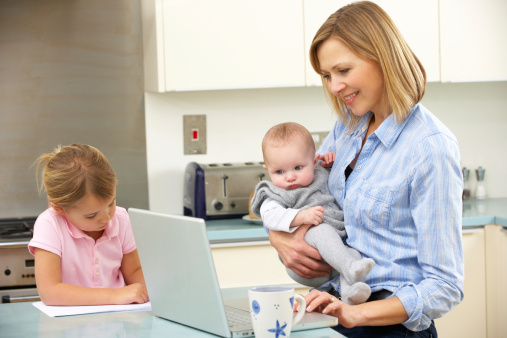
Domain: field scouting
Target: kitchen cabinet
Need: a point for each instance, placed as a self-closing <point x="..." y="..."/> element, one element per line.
<point x="473" y="44"/>
<point x="225" y="44"/>
<point x="222" y="44"/>
<point x="496" y="280"/>
<point x="468" y="319"/>
<point x="417" y="21"/>
<point x="254" y="263"/>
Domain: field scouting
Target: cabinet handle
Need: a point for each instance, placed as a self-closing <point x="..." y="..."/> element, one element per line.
<point x="470" y="231"/>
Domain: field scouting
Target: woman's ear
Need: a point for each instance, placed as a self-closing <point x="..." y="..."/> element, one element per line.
<point x="57" y="208"/>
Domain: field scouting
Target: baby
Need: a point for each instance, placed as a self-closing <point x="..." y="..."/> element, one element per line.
<point x="298" y="194"/>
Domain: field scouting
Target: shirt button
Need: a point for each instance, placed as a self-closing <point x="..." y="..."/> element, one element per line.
<point x="359" y="167"/>
<point x="97" y="273"/>
<point x="96" y="261"/>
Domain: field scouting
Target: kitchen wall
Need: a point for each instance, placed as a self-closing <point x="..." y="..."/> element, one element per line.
<point x="70" y="71"/>
<point x="237" y="120"/>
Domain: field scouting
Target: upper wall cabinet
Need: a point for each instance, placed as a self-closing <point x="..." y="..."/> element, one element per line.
<point x="417" y="21"/>
<point x="473" y="42"/>
<point x="222" y="44"/>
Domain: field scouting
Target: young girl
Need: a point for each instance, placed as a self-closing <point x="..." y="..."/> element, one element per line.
<point x="84" y="248"/>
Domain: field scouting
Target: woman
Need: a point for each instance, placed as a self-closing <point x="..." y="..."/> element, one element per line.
<point x="396" y="176"/>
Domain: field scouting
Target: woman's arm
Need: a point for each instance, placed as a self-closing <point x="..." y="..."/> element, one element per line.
<point x="297" y="255"/>
<point x="377" y="313"/>
<point x="53" y="292"/>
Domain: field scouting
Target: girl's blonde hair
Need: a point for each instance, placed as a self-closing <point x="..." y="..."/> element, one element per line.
<point x="284" y="133"/>
<point x="367" y="30"/>
<point x="72" y="172"/>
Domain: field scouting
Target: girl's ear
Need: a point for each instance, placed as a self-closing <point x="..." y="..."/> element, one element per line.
<point x="57" y="208"/>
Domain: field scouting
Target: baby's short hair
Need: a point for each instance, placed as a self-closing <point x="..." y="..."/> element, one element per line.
<point x="284" y="133"/>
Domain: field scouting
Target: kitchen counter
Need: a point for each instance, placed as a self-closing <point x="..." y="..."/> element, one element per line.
<point x="25" y="320"/>
<point x="475" y="214"/>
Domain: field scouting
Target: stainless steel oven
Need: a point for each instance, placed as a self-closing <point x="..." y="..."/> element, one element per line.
<point x="17" y="265"/>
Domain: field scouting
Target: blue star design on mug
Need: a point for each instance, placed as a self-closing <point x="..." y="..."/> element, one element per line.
<point x="279" y="329"/>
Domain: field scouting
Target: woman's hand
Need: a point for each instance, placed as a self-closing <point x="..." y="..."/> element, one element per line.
<point x="297" y="255"/>
<point x="328" y="304"/>
<point x="376" y="313"/>
<point x="133" y="293"/>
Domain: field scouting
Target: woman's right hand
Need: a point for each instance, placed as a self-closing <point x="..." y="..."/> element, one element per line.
<point x="133" y="293"/>
<point x="297" y="255"/>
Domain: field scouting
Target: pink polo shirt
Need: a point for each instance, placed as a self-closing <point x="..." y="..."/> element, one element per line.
<point x="84" y="261"/>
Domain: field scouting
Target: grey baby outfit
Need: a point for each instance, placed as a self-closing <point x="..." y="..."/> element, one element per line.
<point x="326" y="237"/>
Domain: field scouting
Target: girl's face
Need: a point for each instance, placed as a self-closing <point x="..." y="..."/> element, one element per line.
<point x="290" y="166"/>
<point x="90" y="214"/>
<point x="355" y="80"/>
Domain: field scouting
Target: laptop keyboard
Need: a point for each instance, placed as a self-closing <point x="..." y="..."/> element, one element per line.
<point x="237" y="317"/>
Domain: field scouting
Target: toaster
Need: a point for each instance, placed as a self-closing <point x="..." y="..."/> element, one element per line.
<point x="220" y="190"/>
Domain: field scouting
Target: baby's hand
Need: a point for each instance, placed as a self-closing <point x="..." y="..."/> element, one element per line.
<point x="327" y="159"/>
<point x="133" y="293"/>
<point x="312" y="215"/>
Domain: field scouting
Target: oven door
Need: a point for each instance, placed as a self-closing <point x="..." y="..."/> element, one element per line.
<point x="17" y="273"/>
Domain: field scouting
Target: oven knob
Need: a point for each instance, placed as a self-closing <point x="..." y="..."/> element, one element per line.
<point x="7" y="272"/>
<point x="218" y="205"/>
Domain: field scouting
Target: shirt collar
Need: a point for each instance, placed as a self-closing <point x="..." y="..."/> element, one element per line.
<point x="112" y="229"/>
<point x="390" y="129"/>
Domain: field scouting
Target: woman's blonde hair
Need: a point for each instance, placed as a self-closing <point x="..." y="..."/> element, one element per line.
<point x="284" y="133"/>
<point x="72" y="172"/>
<point x="367" y="30"/>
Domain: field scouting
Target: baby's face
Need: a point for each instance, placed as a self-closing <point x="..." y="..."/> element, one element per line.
<point x="290" y="166"/>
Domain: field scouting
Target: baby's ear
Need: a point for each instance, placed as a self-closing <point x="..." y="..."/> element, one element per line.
<point x="58" y="209"/>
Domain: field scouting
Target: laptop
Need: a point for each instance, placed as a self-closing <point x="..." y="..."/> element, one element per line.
<point x="180" y="276"/>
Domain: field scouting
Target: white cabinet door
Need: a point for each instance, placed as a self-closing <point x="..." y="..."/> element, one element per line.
<point x="468" y="319"/>
<point x="417" y="21"/>
<point x="249" y="265"/>
<point x="473" y="42"/>
<point x="496" y="280"/>
<point x="224" y="44"/>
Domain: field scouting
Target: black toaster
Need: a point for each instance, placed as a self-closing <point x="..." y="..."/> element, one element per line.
<point x="220" y="190"/>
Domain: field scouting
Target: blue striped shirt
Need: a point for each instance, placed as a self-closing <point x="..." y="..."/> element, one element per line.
<point x="403" y="208"/>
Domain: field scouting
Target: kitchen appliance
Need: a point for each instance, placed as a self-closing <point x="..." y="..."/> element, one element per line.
<point x="17" y="265"/>
<point x="220" y="190"/>
<point x="480" y="188"/>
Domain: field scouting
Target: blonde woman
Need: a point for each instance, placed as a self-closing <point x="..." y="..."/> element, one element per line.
<point x="396" y="176"/>
<point x="84" y="248"/>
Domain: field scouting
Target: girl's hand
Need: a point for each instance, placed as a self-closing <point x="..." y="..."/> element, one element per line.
<point x="323" y="302"/>
<point x="297" y="255"/>
<point x="327" y="159"/>
<point x="133" y="293"/>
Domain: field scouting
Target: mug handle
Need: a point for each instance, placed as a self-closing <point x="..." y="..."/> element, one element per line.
<point x="302" y="309"/>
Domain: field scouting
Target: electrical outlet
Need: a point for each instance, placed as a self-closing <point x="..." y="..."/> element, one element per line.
<point x="319" y="137"/>
<point x="194" y="134"/>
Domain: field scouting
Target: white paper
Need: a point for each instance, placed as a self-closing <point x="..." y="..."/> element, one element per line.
<point x="58" y="311"/>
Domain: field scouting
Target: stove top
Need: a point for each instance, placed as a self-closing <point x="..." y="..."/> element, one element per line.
<point x="16" y="229"/>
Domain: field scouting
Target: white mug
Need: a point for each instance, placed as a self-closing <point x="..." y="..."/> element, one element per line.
<point x="271" y="308"/>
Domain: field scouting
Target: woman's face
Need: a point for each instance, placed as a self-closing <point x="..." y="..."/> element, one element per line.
<point x="355" y="80"/>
